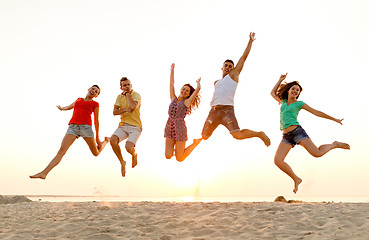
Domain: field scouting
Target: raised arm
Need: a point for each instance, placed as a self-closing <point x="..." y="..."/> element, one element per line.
<point x="171" y="83"/>
<point x="133" y="104"/>
<point x="239" y="66"/>
<point x="96" y="121"/>
<point x="321" y="114"/>
<point x="66" y="107"/>
<point x="189" y="100"/>
<point x="275" y="88"/>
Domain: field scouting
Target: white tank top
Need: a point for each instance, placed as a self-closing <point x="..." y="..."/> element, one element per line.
<point x="225" y="89"/>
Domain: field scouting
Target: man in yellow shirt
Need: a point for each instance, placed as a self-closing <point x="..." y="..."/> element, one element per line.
<point x="127" y="105"/>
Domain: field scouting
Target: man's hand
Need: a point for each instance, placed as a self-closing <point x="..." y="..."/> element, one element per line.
<point x="252" y="36"/>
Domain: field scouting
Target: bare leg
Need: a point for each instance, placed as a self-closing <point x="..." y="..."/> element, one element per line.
<point x="91" y="142"/>
<point x="66" y="143"/>
<point x="169" y="148"/>
<point x="114" y="142"/>
<point x="130" y="147"/>
<point x="279" y="157"/>
<point x="323" y="149"/>
<point x="182" y="152"/>
<point x="246" y="133"/>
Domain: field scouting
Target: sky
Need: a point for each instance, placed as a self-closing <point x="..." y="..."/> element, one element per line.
<point x="51" y="52"/>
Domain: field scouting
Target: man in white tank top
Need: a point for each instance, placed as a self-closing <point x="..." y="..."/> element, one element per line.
<point x="222" y="110"/>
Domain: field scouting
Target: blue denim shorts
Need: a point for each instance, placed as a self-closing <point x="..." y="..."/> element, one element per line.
<point x="80" y="130"/>
<point x="295" y="136"/>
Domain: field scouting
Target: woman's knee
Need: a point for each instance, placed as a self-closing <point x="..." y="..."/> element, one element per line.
<point x="62" y="150"/>
<point x="180" y="158"/>
<point x="278" y="160"/>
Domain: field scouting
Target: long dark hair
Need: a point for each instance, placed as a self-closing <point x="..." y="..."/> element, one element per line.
<point x="196" y="101"/>
<point x="282" y="92"/>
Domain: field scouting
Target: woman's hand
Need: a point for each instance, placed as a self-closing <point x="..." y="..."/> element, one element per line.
<point x="339" y="121"/>
<point x="198" y="83"/>
<point x="283" y="77"/>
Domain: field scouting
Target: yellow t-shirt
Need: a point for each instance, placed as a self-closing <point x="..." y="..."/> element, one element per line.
<point x="131" y="118"/>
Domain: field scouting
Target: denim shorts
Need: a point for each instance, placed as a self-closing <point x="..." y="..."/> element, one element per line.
<point x="222" y="114"/>
<point x="80" y="130"/>
<point x="295" y="136"/>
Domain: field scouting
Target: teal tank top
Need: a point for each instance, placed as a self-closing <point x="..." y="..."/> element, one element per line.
<point x="289" y="113"/>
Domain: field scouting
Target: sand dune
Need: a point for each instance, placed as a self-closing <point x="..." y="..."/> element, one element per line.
<point x="195" y="220"/>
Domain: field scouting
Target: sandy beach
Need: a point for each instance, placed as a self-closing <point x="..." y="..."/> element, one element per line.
<point x="192" y="220"/>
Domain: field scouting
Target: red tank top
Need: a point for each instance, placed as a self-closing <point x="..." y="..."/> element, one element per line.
<point x="82" y="111"/>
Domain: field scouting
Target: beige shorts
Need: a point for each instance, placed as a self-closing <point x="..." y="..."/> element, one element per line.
<point x="128" y="131"/>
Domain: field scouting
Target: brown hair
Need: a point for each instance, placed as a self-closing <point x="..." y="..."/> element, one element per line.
<point x="282" y="92"/>
<point x="196" y="101"/>
<point x="124" y="79"/>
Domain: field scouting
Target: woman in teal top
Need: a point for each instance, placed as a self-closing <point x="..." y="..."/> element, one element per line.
<point x="287" y="94"/>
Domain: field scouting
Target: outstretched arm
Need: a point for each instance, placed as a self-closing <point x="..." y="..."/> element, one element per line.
<point x="171" y="83"/>
<point x="189" y="100"/>
<point x="66" y="107"/>
<point x="321" y="114"/>
<point x="275" y="88"/>
<point x="237" y="70"/>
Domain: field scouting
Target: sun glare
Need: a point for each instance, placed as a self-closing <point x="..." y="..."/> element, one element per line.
<point x="188" y="198"/>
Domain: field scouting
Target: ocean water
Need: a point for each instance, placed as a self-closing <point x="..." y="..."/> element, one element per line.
<point x="60" y="198"/>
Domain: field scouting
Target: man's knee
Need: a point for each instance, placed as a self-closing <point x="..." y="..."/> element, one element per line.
<point x="130" y="146"/>
<point x="237" y="135"/>
<point x="114" y="140"/>
<point x="205" y="137"/>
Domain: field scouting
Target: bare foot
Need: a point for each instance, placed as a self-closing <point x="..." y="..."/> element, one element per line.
<point x="341" y="145"/>
<point x="123" y="168"/>
<point x="265" y="139"/>
<point x="197" y="141"/>
<point x="134" y="160"/>
<point x="39" y="175"/>
<point x="297" y="183"/>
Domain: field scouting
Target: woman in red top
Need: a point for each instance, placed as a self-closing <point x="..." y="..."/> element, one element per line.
<point x="79" y="126"/>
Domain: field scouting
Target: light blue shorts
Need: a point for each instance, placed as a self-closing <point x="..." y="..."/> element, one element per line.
<point x="80" y="130"/>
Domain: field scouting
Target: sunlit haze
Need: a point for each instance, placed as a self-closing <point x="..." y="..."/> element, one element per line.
<point x="51" y="52"/>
